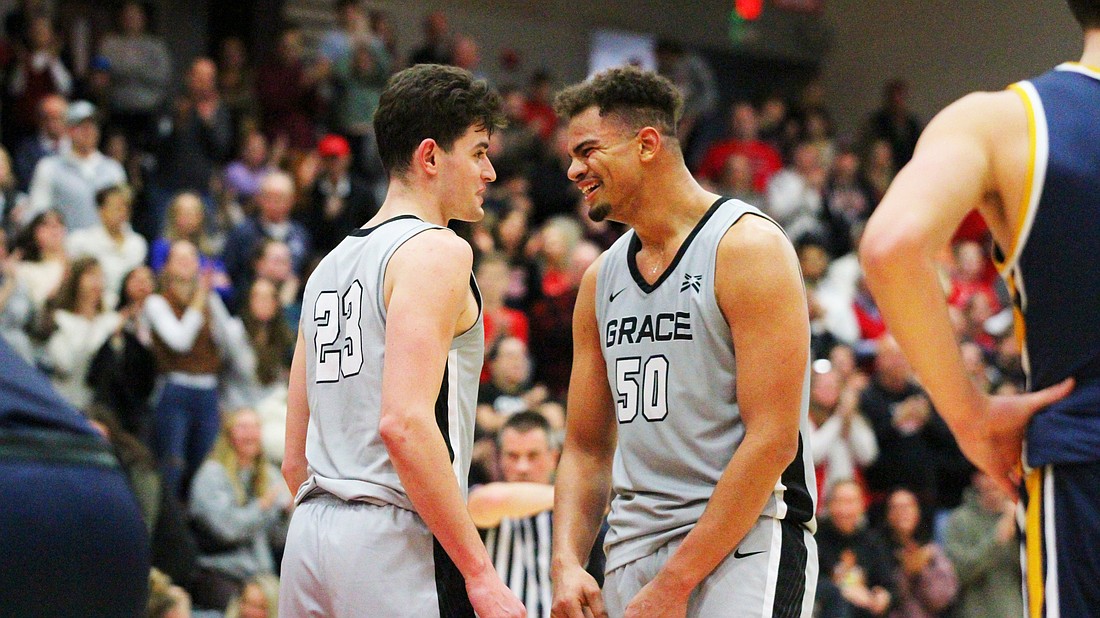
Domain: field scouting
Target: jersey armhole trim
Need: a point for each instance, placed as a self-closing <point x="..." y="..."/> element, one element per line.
<point x="1035" y="175"/>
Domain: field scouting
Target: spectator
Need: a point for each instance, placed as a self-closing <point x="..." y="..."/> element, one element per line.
<point x="895" y="123"/>
<point x="849" y="199"/>
<point x="197" y="139"/>
<point x="500" y="320"/>
<point x="166" y="599"/>
<point x="44" y="260"/>
<point x="437" y="47"/>
<point x="351" y="27"/>
<point x="265" y="352"/>
<point x="275" y="198"/>
<point x="515" y="515"/>
<point x="141" y="70"/>
<point x="123" y="372"/>
<point x="113" y="242"/>
<point x="69" y="181"/>
<point x="465" y="54"/>
<point x="981" y="540"/>
<point x="907" y="428"/>
<point x="538" y="112"/>
<point x="694" y="78"/>
<point x="853" y="557"/>
<point x="817" y="130"/>
<point x="552" y="193"/>
<point x="735" y="180"/>
<point x="842" y="440"/>
<point x="743" y="139"/>
<point x="973" y="274"/>
<point x="191" y="332"/>
<point x="339" y="201"/>
<point x="551" y="320"/>
<point x="880" y="168"/>
<point x="83" y="325"/>
<point x="243" y="176"/>
<point x="51" y="138"/>
<point x="925" y="577"/>
<point x="359" y="78"/>
<point x="38" y="73"/>
<point x="510" y="237"/>
<point x="509" y="390"/>
<point x="830" y="306"/>
<point x="16" y="306"/>
<point x="272" y="261"/>
<point x="186" y="221"/>
<point x="796" y="193"/>
<point x="259" y="598"/>
<point x="13" y="204"/>
<point x="237" y="85"/>
<point x="238" y="500"/>
<point x="287" y="90"/>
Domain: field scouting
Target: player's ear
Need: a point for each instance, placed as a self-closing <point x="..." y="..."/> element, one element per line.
<point x="649" y="143"/>
<point x="425" y="156"/>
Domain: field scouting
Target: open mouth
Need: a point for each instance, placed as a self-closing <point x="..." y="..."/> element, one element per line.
<point x="588" y="190"/>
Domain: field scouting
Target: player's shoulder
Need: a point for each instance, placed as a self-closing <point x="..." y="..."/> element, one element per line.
<point x="435" y="249"/>
<point x="752" y="237"/>
<point x="981" y="112"/>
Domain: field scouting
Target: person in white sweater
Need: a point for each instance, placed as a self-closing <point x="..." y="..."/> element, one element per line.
<point x="82" y="327"/>
<point x="843" y="442"/>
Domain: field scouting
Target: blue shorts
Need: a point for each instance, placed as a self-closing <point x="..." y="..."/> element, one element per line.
<point x="1061" y="548"/>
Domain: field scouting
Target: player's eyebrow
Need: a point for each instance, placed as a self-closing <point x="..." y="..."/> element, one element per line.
<point x="581" y="146"/>
<point x="482" y="145"/>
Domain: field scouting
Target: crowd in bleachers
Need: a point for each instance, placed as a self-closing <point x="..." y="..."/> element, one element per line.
<point x="153" y="250"/>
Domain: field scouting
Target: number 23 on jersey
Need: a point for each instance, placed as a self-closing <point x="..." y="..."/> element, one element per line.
<point x="339" y="354"/>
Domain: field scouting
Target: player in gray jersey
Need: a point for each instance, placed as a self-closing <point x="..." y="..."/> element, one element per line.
<point x="689" y="393"/>
<point x="384" y="380"/>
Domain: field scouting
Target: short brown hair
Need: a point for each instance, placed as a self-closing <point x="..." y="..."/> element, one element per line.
<point x="1087" y="13"/>
<point x="639" y="98"/>
<point x="431" y="101"/>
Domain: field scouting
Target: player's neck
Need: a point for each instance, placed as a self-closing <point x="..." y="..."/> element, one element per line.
<point x="404" y="198"/>
<point x="669" y="207"/>
<point x="1091" y="55"/>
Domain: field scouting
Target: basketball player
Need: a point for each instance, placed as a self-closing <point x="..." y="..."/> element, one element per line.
<point x="1028" y="158"/>
<point x="383" y="384"/>
<point x="713" y="486"/>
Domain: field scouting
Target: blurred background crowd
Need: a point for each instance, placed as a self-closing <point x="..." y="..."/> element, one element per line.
<point x="155" y="235"/>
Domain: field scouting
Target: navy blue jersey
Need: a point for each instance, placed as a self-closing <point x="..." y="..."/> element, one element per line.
<point x="1053" y="267"/>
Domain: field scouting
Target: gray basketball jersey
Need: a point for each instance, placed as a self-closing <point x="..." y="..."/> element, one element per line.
<point x="672" y="370"/>
<point x="344" y="328"/>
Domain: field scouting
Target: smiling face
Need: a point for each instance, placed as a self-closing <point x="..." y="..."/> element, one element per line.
<point x="464" y="171"/>
<point x="604" y="165"/>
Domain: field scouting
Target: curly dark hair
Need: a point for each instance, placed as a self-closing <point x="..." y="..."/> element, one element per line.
<point x="639" y="98"/>
<point x="431" y="101"/>
<point x="1087" y="13"/>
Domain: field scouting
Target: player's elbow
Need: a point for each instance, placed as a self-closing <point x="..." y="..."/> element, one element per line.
<point x="395" y="431"/>
<point x="784" y="448"/>
<point x="884" y="248"/>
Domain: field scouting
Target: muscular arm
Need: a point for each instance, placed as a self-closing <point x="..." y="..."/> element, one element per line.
<point x="759" y="289"/>
<point x="584" y="474"/>
<point x="430" y="281"/>
<point x="297" y="420"/>
<point x="959" y="165"/>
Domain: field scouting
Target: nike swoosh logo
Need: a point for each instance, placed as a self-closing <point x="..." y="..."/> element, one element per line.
<point x="615" y="295"/>
<point x="738" y="555"/>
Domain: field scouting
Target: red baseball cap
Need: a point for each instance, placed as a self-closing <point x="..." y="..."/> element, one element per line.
<point x="333" y="145"/>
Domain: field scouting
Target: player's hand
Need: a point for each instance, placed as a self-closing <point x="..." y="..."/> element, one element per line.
<point x="577" y="595"/>
<point x="655" y="599"/>
<point x="491" y="598"/>
<point x="995" y="447"/>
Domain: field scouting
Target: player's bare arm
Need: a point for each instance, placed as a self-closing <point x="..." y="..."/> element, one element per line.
<point x="584" y="474"/>
<point x="429" y="301"/>
<point x="295" y="468"/>
<point x="972" y="155"/>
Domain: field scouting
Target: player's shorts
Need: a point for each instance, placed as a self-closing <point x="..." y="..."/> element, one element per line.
<point x="1061" y="551"/>
<point x="351" y="559"/>
<point x="773" y="573"/>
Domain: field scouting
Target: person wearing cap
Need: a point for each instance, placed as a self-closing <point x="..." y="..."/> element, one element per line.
<point x="68" y="181"/>
<point x="339" y="200"/>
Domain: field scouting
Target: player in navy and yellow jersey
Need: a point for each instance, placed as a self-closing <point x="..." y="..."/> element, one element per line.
<point x="1029" y="159"/>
